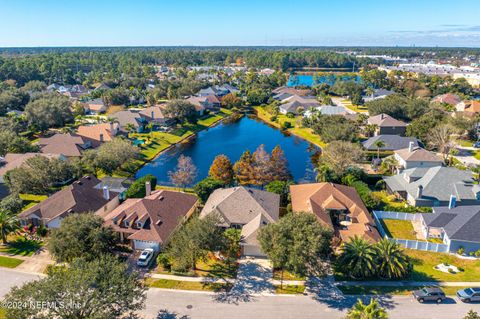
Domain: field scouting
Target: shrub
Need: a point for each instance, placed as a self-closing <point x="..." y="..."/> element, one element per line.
<point x="42" y="231"/>
<point x="461" y="251"/>
<point x="286" y="125"/>
<point x="164" y="260"/>
<point x="137" y="189"/>
<point x="450" y="270"/>
<point x="273" y="118"/>
<point x="461" y="269"/>
<point x="290" y="115"/>
<point x="477" y="253"/>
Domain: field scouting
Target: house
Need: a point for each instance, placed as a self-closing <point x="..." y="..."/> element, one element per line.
<point x="291" y="91"/>
<point x="433" y="186"/>
<point x="387" y="125"/>
<point x="96" y="106"/>
<point x="99" y="133"/>
<point x="13" y="160"/>
<point x="244" y="208"/>
<point x="337" y="207"/>
<point x="377" y="94"/>
<point x="206" y="102"/>
<point x="156" y="115"/>
<point x="293" y="103"/>
<point x="117" y="185"/>
<point x="448" y="98"/>
<point x="79" y="197"/>
<point x="469" y="108"/>
<point x="130" y="119"/>
<point x="148" y="222"/>
<point x="415" y="156"/>
<point x="458" y="227"/>
<point x="69" y="145"/>
<point x="391" y="142"/>
<point x="102" y="87"/>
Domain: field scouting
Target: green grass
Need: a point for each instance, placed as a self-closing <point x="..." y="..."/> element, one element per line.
<point x="388" y="199"/>
<point x="290" y="289"/>
<point x="402" y="229"/>
<point x="356" y="108"/>
<point x="30" y="200"/>
<point x="302" y="132"/>
<point x="3" y="313"/>
<point x="9" y="262"/>
<point x="277" y="274"/>
<point x="465" y="143"/>
<point x="387" y="290"/>
<point x="424" y="261"/>
<point x="187" y="285"/>
<point x="210" y="267"/>
<point x="173" y="188"/>
<point x="21" y="246"/>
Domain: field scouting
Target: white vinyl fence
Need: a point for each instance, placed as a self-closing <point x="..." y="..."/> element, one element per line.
<point x="407" y="243"/>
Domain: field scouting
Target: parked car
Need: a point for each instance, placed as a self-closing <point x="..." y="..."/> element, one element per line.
<point x="429" y="294"/>
<point x="145" y="257"/>
<point x="469" y="294"/>
<point x="476" y="144"/>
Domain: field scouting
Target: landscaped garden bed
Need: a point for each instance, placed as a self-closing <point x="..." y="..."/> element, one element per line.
<point x="290" y="289"/>
<point x="187" y="285"/>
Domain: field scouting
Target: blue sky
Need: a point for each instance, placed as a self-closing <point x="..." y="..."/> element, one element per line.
<point x="246" y="22"/>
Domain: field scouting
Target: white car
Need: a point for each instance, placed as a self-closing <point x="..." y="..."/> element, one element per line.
<point x="145" y="257"/>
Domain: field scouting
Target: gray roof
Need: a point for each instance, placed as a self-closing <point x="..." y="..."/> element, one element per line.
<point x="392" y="142"/>
<point x="115" y="184"/>
<point x="128" y="117"/>
<point x="332" y="110"/>
<point x="459" y="223"/>
<point x="438" y="183"/>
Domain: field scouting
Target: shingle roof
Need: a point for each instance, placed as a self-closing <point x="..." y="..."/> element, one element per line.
<point x="66" y="144"/>
<point x="13" y="160"/>
<point x="460" y="223"/>
<point x="392" y="142"/>
<point x="418" y="154"/>
<point x="385" y="120"/>
<point x="127" y="117"/>
<point x="96" y="131"/>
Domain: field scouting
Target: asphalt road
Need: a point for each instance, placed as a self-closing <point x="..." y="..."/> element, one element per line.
<point x="168" y="304"/>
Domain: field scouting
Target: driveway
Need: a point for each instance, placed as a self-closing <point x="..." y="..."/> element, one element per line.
<point x="465" y="155"/>
<point x="253" y="277"/>
<point x="11" y="278"/>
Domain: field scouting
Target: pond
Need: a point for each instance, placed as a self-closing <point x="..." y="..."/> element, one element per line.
<point x="311" y="80"/>
<point x="233" y="139"/>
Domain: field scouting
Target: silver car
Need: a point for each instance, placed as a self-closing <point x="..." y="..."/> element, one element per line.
<point x="469" y="294"/>
<point x="145" y="257"/>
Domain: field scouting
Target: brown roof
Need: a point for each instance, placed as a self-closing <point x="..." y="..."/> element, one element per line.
<point x="65" y="144"/>
<point x="418" y="154"/>
<point x="13" y="160"/>
<point x="385" y="120"/>
<point x="158" y="112"/>
<point x="160" y="213"/>
<point x="472" y="106"/>
<point x="79" y="197"/>
<point x="319" y="198"/>
<point x="95" y="132"/>
<point x="291" y="90"/>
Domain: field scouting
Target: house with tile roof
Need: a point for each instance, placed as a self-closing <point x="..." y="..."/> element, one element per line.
<point x="150" y="221"/>
<point x="469" y="108"/>
<point x="81" y="196"/>
<point x="244" y="208"/>
<point x="69" y="145"/>
<point x="387" y="125"/>
<point x="337" y="207"/>
<point x="448" y="98"/>
<point x="96" y="106"/>
<point x="99" y="133"/>
<point x="433" y="186"/>
<point x="415" y="156"/>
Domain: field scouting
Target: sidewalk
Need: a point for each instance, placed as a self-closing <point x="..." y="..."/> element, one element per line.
<point x="408" y="283"/>
<point x="35" y="264"/>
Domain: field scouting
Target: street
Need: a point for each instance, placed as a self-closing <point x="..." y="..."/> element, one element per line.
<point x="169" y="304"/>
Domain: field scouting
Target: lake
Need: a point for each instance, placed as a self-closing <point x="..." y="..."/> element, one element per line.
<point x="311" y="80"/>
<point x="232" y="139"/>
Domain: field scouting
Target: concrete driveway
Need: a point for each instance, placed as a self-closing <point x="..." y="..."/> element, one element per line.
<point x="465" y="155"/>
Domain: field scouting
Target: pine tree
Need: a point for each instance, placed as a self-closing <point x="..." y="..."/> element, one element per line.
<point x="262" y="166"/>
<point x="221" y="169"/>
<point x="279" y="165"/>
<point x="243" y="169"/>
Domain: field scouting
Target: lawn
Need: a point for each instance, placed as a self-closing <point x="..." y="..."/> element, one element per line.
<point x="21" y="246"/>
<point x="3" y="313"/>
<point x="402" y="229"/>
<point x="9" y="262"/>
<point x="30" y="200"/>
<point x="356" y="108"/>
<point x="210" y="267"/>
<point x="302" y="132"/>
<point x="387" y="290"/>
<point x="424" y="261"/>
<point x="277" y="274"/>
<point x="173" y="188"/>
<point x="464" y="143"/>
<point x="187" y="285"/>
<point x="290" y="289"/>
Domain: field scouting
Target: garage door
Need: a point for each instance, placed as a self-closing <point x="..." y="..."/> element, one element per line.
<point x="251" y="250"/>
<point x="141" y="245"/>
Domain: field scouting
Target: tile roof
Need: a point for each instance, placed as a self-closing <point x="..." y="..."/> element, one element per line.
<point x="319" y="198"/>
<point x="96" y="132"/>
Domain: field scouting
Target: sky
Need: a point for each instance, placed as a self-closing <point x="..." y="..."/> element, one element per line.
<point x="31" y="23"/>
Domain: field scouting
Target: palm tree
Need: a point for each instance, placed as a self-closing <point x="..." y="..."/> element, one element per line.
<point x="389" y="164"/>
<point x="370" y="311"/>
<point x="379" y="144"/>
<point x="370" y="129"/>
<point x="8" y="224"/>
<point x="391" y="262"/>
<point x="357" y="258"/>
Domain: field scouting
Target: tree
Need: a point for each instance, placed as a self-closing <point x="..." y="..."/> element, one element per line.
<point x="34" y="86"/>
<point x="340" y="155"/>
<point x="398" y="106"/>
<point x="101" y="288"/>
<point x="332" y="127"/>
<point x="281" y="188"/>
<point x="421" y="126"/>
<point x="181" y="110"/>
<point x="243" y="169"/>
<point x="232" y="239"/>
<point x="389" y="164"/>
<point x="185" y="172"/>
<point x="10" y="142"/>
<point x="9" y="223"/>
<point x="279" y="165"/>
<point x="205" y="187"/>
<point x="440" y="138"/>
<point x="357" y="258"/>
<point x="261" y="166"/>
<point x="391" y="262"/>
<point x="81" y="236"/>
<point x="111" y="155"/>
<point x="257" y="96"/>
<point x="49" y="110"/>
<point x="137" y="189"/>
<point x="231" y="100"/>
<point x="12" y="99"/>
<point x="297" y="243"/>
<point x="193" y="240"/>
<point x="11" y="203"/>
<point x="472" y="315"/>
<point x="222" y="169"/>
<point x="379" y="144"/>
<point x="370" y="311"/>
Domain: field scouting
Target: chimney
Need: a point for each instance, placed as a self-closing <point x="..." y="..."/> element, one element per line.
<point x="453" y="201"/>
<point x="101" y="137"/>
<point x="419" y="191"/>
<point x="111" y="128"/>
<point x="410" y="146"/>
<point x="148" y="188"/>
<point x="152" y="115"/>
<point x="106" y="193"/>
<point x="382" y="116"/>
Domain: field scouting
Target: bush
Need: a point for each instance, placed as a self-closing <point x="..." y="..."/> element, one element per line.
<point x="461" y="251"/>
<point x="477" y="253"/>
<point x="286" y="125"/>
<point x="164" y="260"/>
<point x="450" y="270"/>
<point x="290" y="115"/>
<point x="42" y="231"/>
<point x="137" y="189"/>
<point x="273" y="118"/>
